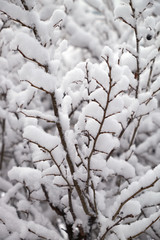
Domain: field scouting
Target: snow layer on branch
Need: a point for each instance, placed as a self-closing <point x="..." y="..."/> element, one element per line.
<point x="99" y="163"/>
<point x="93" y="111"/>
<point x="140" y="5"/>
<point x="74" y="76"/>
<point x="139" y="226"/>
<point x="71" y="141"/>
<point x="40" y="138"/>
<point x="21" y="99"/>
<point x="38" y="77"/>
<point x="154" y="199"/>
<point x="57" y="16"/>
<point x="42" y="231"/>
<point x="16" y="12"/>
<point x="31" y="177"/>
<point x="124" y="12"/>
<point x="129" y="60"/>
<point x="106" y="142"/>
<point x="4" y="231"/>
<point x="100" y="96"/>
<point x="144" y="109"/>
<point x="97" y="4"/>
<point x="64" y="120"/>
<point x="121" y="76"/>
<point x="21" y="229"/>
<point x="134" y="188"/>
<point x="92" y="127"/>
<point x="111" y="125"/>
<point x="5" y="185"/>
<point x="107" y="53"/>
<point x="121" y="167"/>
<point x="132" y="207"/>
<point x="100" y="75"/>
<point x="39" y="115"/>
<point x="115" y="106"/>
<point x="11" y="193"/>
<point x="68" y="4"/>
<point x="9" y="217"/>
<point x="148" y="54"/>
<point x="30" y="47"/>
<point x="155" y="87"/>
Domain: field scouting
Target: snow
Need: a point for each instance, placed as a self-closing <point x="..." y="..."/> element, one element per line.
<point x="11" y="193"/>
<point x="101" y="76"/>
<point x="40" y="138"/>
<point x="42" y="231"/>
<point x="121" y="167"/>
<point x="99" y="163"/>
<point x="140" y="5"/>
<point x="151" y="141"/>
<point x="39" y="115"/>
<point x="139" y="226"/>
<point x="134" y="188"/>
<point x="20" y="99"/>
<point x="111" y="125"/>
<point x="100" y="195"/>
<point x="73" y="77"/>
<point x="147" y="108"/>
<point x="66" y="105"/>
<point x="100" y="96"/>
<point x="30" y="48"/>
<point x="128" y="60"/>
<point x="59" y="181"/>
<point x="81" y="38"/>
<point x="3" y="231"/>
<point x="115" y="106"/>
<point x="13" y="236"/>
<point x="68" y="4"/>
<point x="155" y="87"/>
<point x="38" y="77"/>
<point x="143" y="97"/>
<point x="64" y="120"/>
<point x="46" y="12"/>
<point x="97" y="4"/>
<point x="107" y="53"/>
<point x="90" y="111"/>
<point x="124" y="11"/>
<point x="132" y="207"/>
<point x="92" y="127"/>
<point x="106" y="142"/>
<point x="50" y="171"/>
<point x="15" y="12"/>
<point x="148" y="54"/>
<point x="31" y="177"/>
<point x="154" y="199"/>
<point x="57" y="16"/>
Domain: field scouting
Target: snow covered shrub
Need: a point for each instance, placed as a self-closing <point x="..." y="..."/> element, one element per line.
<point x="88" y="129"/>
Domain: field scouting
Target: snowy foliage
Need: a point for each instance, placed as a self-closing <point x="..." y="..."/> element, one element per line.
<point x="79" y="117"/>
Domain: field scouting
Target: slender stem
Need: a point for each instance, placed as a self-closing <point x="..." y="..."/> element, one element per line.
<point x="68" y="158"/>
<point x="150" y="74"/>
<point x="101" y="124"/>
<point x="3" y="143"/>
<point x="137" y="73"/>
<point x="134" y="133"/>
